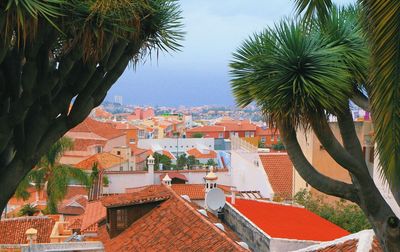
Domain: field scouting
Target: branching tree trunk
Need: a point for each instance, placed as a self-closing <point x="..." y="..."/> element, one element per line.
<point x="51" y="80"/>
<point x="361" y="191"/>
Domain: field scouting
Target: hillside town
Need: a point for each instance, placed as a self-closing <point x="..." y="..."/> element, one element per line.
<point x="153" y="175"/>
<point x="180" y="126"/>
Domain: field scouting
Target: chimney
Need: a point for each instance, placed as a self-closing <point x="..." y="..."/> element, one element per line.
<point x="233" y="197"/>
<point x="31" y="235"/>
<point x="150" y="164"/>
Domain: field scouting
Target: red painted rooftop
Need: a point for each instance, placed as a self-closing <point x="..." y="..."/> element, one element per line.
<point x="290" y="222"/>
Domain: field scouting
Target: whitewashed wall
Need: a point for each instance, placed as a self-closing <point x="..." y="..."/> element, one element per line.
<point x="248" y="173"/>
<point x="169" y="144"/>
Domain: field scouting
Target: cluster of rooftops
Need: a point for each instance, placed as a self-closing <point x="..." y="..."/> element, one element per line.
<point x="165" y="218"/>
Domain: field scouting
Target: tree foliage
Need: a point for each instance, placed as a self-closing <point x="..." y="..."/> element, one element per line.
<point x="302" y="73"/>
<point x="58" y="59"/>
<point x="28" y="210"/>
<point x="54" y="177"/>
<point x="345" y="215"/>
<point x="161" y="159"/>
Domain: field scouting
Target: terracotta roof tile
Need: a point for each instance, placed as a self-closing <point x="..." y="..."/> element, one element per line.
<point x="94" y="213"/>
<point x="75" y="222"/>
<point x="73" y="206"/>
<point x="174" y="175"/>
<point x="102" y="129"/>
<point x="12" y="231"/>
<point x="101" y="113"/>
<point x="364" y="240"/>
<point x="237" y="125"/>
<point x="168" y="154"/>
<point x="104" y="160"/>
<point x="198" y="154"/>
<point x="286" y="221"/>
<point x="175" y="225"/>
<point x="194" y="191"/>
<point x="208" y="128"/>
<point x="279" y="170"/>
<point x="81" y="144"/>
<point x="260" y="131"/>
<point x="146" y="194"/>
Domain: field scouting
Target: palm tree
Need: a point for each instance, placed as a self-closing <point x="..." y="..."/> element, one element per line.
<point x="58" y="59"/>
<point x="381" y="24"/>
<point x="28" y="210"/>
<point x="52" y="176"/>
<point x="301" y="74"/>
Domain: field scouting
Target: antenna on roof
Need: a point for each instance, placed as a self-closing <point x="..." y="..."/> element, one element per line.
<point x="215" y="199"/>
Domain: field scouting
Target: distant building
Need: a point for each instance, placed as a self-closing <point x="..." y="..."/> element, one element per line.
<point x="118" y="99"/>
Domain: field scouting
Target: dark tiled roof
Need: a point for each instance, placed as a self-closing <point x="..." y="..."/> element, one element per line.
<point x="175" y="225"/>
<point x="144" y="195"/>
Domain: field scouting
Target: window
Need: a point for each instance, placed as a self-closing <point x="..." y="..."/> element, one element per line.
<point x="121" y="168"/>
<point x="246" y="134"/>
<point x="263" y="139"/>
<point x="119" y="153"/>
<point x="220" y="135"/>
<point x="132" y="141"/>
<point x="272" y="138"/>
<point x="98" y="149"/>
<point x="122" y="218"/>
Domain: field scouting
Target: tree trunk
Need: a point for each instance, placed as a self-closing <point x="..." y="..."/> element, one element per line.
<point x="361" y="191"/>
<point x="10" y="178"/>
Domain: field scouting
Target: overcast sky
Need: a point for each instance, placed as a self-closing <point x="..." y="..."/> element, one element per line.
<point x="198" y="74"/>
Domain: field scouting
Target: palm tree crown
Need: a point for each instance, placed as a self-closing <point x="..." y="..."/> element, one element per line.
<point x="49" y="174"/>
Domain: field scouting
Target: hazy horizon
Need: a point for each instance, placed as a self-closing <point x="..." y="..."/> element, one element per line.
<point x="199" y="74"/>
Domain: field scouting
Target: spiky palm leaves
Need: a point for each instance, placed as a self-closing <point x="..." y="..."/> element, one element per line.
<point x="52" y="176"/>
<point x="381" y="19"/>
<point x="94" y="25"/>
<point x="297" y="74"/>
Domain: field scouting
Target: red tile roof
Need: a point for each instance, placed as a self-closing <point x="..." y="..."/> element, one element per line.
<point x="168" y="154"/>
<point x="75" y="222"/>
<point x="146" y="194"/>
<point x="194" y="191"/>
<point x="279" y="170"/>
<point x="73" y="206"/>
<point x="102" y="129"/>
<point x="237" y="125"/>
<point x="81" y="144"/>
<point x="174" y="175"/>
<point x="362" y="241"/>
<point x="198" y="154"/>
<point x="285" y="221"/>
<point x="12" y="231"/>
<point x="73" y="191"/>
<point x="260" y="131"/>
<point x="94" y="213"/>
<point x="101" y="113"/>
<point x="175" y="225"/>
<point x="104" y="160"/>
<point x="207" y="128"/>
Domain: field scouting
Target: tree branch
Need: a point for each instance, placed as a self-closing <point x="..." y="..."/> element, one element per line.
<point x="361" y="100"/>
<point x="309" y="173"/>
<point x="334" y="148"/>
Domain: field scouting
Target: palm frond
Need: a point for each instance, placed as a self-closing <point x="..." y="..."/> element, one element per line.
<point x="291" y="74"/>
<point x="22" y="16"/>
<point x="313" y="8"/>
<point x="382" y="23"/>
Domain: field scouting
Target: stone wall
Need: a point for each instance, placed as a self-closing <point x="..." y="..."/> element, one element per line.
<point x="249" y="233"/>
